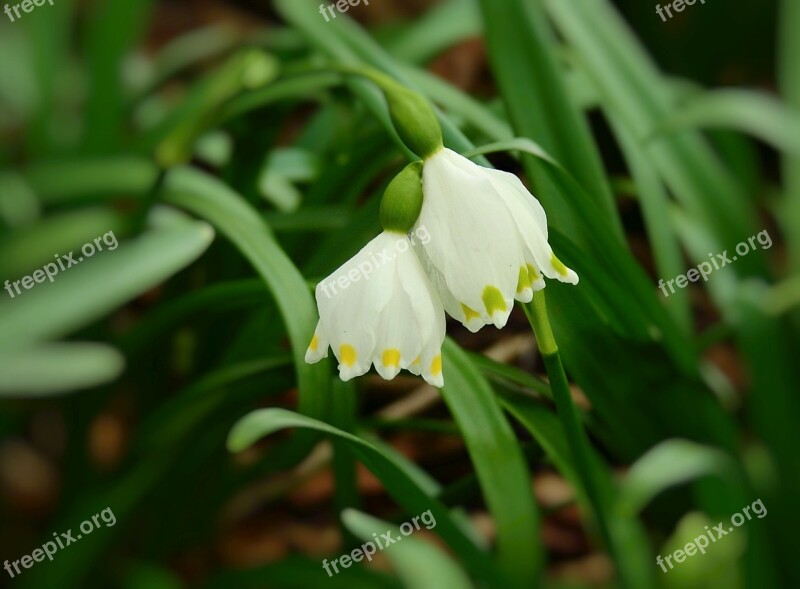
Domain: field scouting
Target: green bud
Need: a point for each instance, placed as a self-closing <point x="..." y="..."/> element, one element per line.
<point x="402" y="200"/>
<point x="415" y="121"/>
<point x="412" y="115"/>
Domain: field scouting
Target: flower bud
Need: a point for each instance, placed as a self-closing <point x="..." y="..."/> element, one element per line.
<point x="402" y="200"/>
<point x="415" y="121"/>
<point x="412" y="115"/>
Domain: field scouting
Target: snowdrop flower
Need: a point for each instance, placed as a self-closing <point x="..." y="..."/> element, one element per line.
<point x="379" y="308"/>
<point x="489" y="243"/>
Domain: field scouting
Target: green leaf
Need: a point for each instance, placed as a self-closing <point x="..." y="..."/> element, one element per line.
<point x="717" y="566"/>
<point x="502" y="472"/>
<point x="522" y="50"/>
<point x="282" y="168"/>
<point x="516" y="144"/>
<point x="654" y="202"/>
<point x="48" y="54"/>
<point x="89" y="178"/>
<point x="29" y="248"/>
<point x="18" y="203"/>
<point x="440" y="28"/>
<point x="627" y="540"/>
<point x="754" y="113"/>
<point x="632" y="88"/>
<point x="102" y="283"/>
<point x="239" y="222"/>
<point x="771" y="410"/>
<point x="185" y="51"/>
<point x="789" y="81"/>
<point x="207" y="197"/>
<point x="399" y="484"/>
<point x="111" y="33"/>
<point x="670" y="463"/>
<point x="308" y="86"/>
<point x="430" y="485"/>
<point x="200" y="111"/>
<point x="57" y="369"/>
<point x="511" y="374"/>
<point x="420" y="564"/>
<point x="544" y="426"/>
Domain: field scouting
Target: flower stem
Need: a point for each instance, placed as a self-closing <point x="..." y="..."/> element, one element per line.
<point x="577" y="440"/>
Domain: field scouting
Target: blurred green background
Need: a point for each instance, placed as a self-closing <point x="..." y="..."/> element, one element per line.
<point x="236" y="168"/>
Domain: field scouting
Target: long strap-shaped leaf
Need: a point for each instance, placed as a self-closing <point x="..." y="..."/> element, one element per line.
<point x="419" y="564"/>
<point x="626" y="536"/>
<point x="523" y="55"/>
<point x="100" y="179"/>
<point x="209" y="198"/>
<point x="503" y="475"/>
<point x="401" y="485"/>
<point x="631" y="87"/>
<point x="95" y="287"/>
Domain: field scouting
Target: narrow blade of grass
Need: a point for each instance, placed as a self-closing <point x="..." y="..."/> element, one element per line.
<point x="500" y="466"/>
<point x="399" y="484"/>
<point x="418" y="563"/>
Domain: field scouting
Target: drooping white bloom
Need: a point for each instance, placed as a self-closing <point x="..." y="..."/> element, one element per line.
<point x="380" y="308"/>
<point x="489" y="240"/>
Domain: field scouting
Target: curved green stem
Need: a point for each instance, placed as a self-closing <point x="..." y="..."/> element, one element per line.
<point x="577" y="439"/>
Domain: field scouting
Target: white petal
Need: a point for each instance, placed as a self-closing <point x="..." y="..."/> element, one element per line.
<point x="451" y="305"/>
<point x="399" y="339"/>
<point x="385" y="312"/>
<point x="413" y="320"/>
<point x="350" y="301"/>
<point x="318" y="348"/>
<point x="474" y="245"/>
<point x="531" y="225"/>
<point x="421" y="293"/>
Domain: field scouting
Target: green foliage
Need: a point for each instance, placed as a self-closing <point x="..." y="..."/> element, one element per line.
<point x="237" y="169"/>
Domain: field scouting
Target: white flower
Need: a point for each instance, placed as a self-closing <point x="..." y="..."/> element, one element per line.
<point x="489" y="241"/>
<point x="380" y="308"/>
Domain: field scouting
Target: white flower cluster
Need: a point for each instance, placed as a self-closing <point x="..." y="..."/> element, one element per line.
<point x="488" y="247"/>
